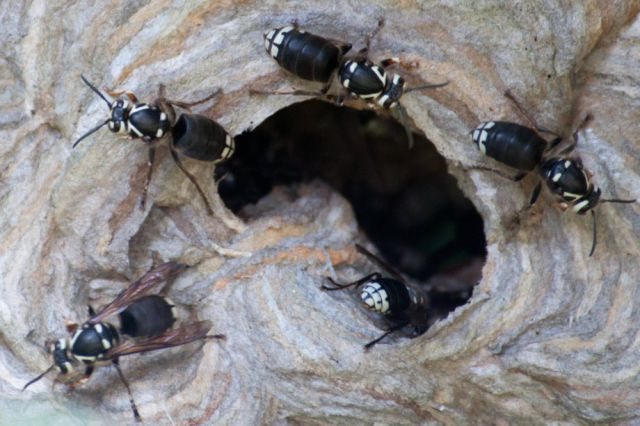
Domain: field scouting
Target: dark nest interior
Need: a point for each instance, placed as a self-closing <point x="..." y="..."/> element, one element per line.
<point x="404" y="199"/>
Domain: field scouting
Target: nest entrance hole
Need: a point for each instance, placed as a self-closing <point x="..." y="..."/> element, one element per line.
<point x="403" y="199"/>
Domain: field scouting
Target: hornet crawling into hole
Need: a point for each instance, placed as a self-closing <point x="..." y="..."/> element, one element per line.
<point x="145" y="325"/>
<point x="316" y="58"/>
<point x="524" y="149"/>
<point x="192" y="135"/>
<point x="399" y="302"/>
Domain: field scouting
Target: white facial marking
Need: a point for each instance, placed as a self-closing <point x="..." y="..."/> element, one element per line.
<point x="567" y="164"/>
<point x="98" y="328"/>
<point x="163" y="116"/>
<point x="123" y="129"/>
<point x="106" y="344"/>
<point x="274" y="51"/>
<point x="159" y="133"/>
<point x="346" y="83"/>
<point x="556" y="177"/>
<point x="352" y="66"/>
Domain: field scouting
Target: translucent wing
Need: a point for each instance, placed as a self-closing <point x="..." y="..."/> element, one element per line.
<point x="393" y="271"/>
<point x="170" y="338"/>
<point x="137" y="289"/>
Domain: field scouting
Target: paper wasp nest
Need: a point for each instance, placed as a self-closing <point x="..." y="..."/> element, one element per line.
<point x="549" y="334"/>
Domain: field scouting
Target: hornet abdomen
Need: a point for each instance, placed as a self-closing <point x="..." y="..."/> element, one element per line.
<point x="147" y="317"/>
<point x="306" y="55"/>
<point x="201" y="138"/>
<point x="510" y="143"/>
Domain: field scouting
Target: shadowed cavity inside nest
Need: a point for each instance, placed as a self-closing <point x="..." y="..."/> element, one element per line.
<point x="404" y="199"/>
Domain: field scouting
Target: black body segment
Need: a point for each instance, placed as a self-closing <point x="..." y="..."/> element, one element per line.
<point x="306" y="55"/>
<point x="563" y="176"/>
<point x="149" y="121"/>
<point x="567" y="179"/>
<point x="201" y="138"/>
<point x="399" y="299"/>
<point x="92" y="341"/>
<point x="511" y="144"/>
<point x="147" y="317"/>
<point x="362" y="78"/>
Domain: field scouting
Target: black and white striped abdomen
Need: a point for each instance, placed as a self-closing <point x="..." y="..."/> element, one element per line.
<point x="385" y="296"/>
<point x="304" y="54"/>
<point x="510" y="143"/>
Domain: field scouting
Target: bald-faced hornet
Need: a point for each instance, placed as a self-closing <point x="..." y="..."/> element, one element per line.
<point x="145" y="325"/>
<point x="524" y="149"/>
<point x="393" y="297"/>
<point x="315" y="58"/>
<point x="194" y="136"/>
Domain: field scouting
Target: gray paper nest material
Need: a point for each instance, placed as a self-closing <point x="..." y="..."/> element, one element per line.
<point x="549" y="333"/>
